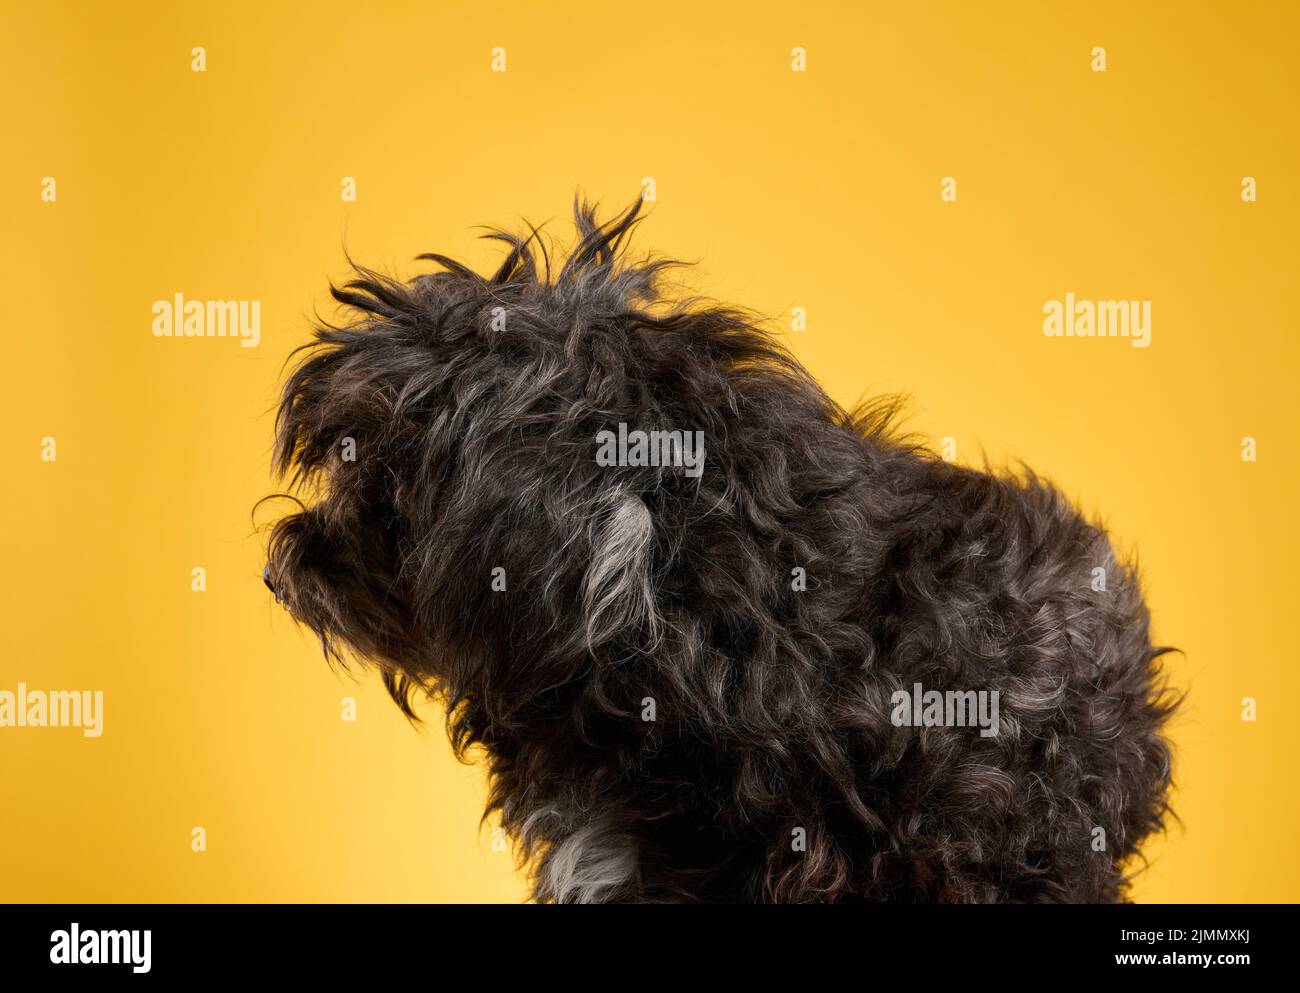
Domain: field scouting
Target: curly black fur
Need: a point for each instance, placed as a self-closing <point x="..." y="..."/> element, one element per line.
<point x="474" y="403"/>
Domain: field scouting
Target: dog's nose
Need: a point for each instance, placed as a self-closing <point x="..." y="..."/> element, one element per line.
<point x="266" y="578"/>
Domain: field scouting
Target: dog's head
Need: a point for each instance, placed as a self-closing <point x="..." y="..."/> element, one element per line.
<point x="445" y="442"/>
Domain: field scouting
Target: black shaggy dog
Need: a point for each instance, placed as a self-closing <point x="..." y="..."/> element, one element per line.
<point x="687" y="684"/>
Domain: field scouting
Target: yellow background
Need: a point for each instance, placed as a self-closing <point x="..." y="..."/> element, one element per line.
<point x="816" y="189"/>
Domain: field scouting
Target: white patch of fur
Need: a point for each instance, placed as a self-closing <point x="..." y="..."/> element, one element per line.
<point x="617" y="593"/>
<point x="591" y="865"/>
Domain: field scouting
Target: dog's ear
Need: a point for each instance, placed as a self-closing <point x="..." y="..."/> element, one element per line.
<point x="618" y="596"/>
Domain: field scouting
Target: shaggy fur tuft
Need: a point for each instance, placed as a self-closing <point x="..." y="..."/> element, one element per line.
<point x="473" y="404"/>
